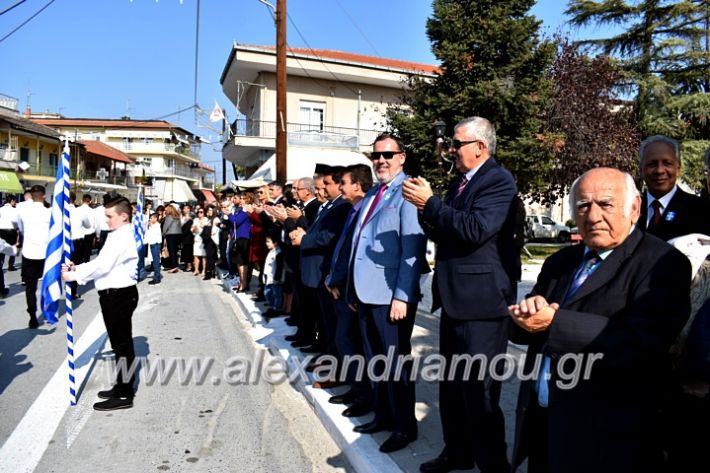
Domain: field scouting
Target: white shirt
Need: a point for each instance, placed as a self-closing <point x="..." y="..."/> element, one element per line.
<point x="665" y="200"/>
<point x="6" y="248"/>
<point x="153" y="235"/>
<point x="78" y="221"/>
<point x="100" y="222"/>
<point x="115" y="266"/>
<point x="8" y="217"/>
<point x="89" y="212"/>
<point x="270" y="266"/>
<point x="33" y="223"/>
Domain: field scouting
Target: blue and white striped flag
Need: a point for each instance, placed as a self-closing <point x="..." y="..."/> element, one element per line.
<point x="138" y="227"/>
<point x="60" y="243"/>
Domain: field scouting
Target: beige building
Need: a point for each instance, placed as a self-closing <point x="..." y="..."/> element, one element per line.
<point x="156" y="151"/>
<point x="335" y="101"/>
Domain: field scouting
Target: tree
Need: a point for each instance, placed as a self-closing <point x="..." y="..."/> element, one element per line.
<point x="664" y="49"/>
<point x="493" y="65"/>
<point x="585" y="124"/>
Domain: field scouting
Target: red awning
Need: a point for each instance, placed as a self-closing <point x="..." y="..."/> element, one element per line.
<point x="102" y="149"/>
<point x="209" y="195"/>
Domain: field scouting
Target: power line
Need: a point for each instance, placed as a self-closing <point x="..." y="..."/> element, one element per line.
<point x="26" y="21"/>
<point x="11" y="7"/>
<point x="362" y="33"/>
<point x="197" y="49"/>
<point x="318" y="57"/>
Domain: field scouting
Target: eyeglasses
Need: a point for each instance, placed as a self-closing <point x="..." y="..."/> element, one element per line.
<point x="375" y="155"/>
<point x="260" y="192"/>
<point x="457" y="144"/>
<point x="200" y="211"/>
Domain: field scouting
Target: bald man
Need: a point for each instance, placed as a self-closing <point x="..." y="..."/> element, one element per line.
<point x="612" y="306"/>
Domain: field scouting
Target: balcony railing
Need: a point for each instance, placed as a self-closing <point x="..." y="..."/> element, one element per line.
<point x="105" y="177"/>
<point x="301" y="133"/>
<point x="158" y="148"/>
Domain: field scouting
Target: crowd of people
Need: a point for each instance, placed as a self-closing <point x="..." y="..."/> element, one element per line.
<point x="341" y="254"/>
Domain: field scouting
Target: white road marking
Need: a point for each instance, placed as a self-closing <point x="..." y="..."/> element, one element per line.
<point x="25" y="447"/>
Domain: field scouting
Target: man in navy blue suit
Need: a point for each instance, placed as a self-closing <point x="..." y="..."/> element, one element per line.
<point x="477" y="263"/>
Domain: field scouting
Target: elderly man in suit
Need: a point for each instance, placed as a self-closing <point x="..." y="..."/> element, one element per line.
<point x="667" y="211"/>
<point x="477" y="267"/>
<point x="387" y="259"/>
<point x="613" y="306"/>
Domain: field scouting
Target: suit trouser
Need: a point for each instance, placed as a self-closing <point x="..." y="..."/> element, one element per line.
<point x="348" y="341"/>
<point x="328" y="320"/>
<point x="308" y="310"/>
<point x="117" y="306"/>
<point x="87" y="246"/>
<point x="76" y="255"/>
<point x="471" y="418"/>
<point x="10" y="236"/>
<point x="393" y="398"/>
<point x="31" y="272"/>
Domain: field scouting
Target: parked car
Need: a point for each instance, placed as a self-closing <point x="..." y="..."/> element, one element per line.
<point x="542" y="226"/>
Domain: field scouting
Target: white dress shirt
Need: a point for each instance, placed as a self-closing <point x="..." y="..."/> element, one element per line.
<point x="33" y="223"/>
<point x="78" y="221"/>
<point x="7" y="249"/>
<point x="153" y="235"/>
<point x="8" y="217"/>
<point x="115" y="266"/>
<point x="86" y="209"/>
<point x="665" y="200"/>
<point x="100" y="223"/>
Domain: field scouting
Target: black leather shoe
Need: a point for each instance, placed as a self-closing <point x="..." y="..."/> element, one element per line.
<point x="300" y="343"/>
<point x="345" y="398"/>
<point x="291" y="322"/>
<point x="358" y="409"/>
<point x="311" y="349"/>
<point x="114" y="403"/>
<point x="34" y="323"/>
<point x="397" y="441"/>
<point x="443" y="464"/>
<point x="292" y="338"/>
<point x="108" y="394"/>
<point x="371" y="427"/>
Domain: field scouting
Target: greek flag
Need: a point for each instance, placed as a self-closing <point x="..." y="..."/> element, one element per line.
<point x="138" y="227"/>
<point x="59" y="247"/>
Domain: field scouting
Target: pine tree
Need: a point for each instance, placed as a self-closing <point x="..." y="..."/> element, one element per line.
<point x="665" y="51"/>
<point x="493" y="64"/>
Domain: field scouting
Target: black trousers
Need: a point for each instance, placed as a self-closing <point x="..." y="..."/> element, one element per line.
<point x="76" y="258"/>
<point x="31" y="272"/>
<point x="471" y="418"/>
<point x="172" y="241"/>
<point x="117" y="306"/>
<point x="87" y="246"/>
<point x="393" y="398"/>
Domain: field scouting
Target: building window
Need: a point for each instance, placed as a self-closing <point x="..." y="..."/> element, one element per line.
<point x="24" y="154"/>
<point x="312" y="115"/>
<point x="53" y="160"/>
<point x="127" y="142"/>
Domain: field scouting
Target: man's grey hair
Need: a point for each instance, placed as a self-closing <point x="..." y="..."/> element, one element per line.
<point x="308" y="184"/>
<point x="631" y="192"/>
<point x="480" y="129"/>
<point x="659" y="139"/>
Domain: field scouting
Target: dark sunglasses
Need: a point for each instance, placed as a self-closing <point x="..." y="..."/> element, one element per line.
<point x="375" y="155"/>
<point x="200" y="211"/>
<point x="457" y="144"/>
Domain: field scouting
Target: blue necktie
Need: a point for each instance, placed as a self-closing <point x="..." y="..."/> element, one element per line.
<point x="589" y="265"/>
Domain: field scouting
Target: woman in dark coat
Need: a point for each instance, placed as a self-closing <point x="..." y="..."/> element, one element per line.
<point x="188" y="239"/>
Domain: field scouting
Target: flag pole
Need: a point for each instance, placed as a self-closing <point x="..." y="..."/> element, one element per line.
<point x="67" y="291"/>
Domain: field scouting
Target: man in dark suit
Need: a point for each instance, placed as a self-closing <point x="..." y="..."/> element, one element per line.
<point x="667" y="211"/>
<point x="317" y="244"/>
<point x="477" y="267"/>
<point x="612" y="306"/>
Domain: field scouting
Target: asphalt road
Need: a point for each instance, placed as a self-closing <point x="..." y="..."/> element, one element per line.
<point x="232" y="420"/>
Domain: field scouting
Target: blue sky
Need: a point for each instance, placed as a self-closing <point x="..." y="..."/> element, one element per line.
<point x="109" y="58"/>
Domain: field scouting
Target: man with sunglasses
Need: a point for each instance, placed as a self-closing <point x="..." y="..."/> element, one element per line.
<point x="474" y="282"/>
<point x="388" y="256"/>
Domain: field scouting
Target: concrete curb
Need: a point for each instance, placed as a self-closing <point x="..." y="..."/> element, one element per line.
<point x="362" y="451"/>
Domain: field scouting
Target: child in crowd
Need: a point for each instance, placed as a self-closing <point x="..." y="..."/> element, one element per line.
<point x="273" y="275"/>
<point x="154" y="239"/>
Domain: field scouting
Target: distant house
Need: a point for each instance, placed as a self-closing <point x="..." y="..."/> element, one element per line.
<point x="337" y="101"/>
<point x="123" y="153"/>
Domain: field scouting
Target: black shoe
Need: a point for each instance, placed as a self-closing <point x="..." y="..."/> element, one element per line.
<point x="300" y="343"/>
<point x="11" y="268"/>
<point x="371" y="427"/>
<point x="311" y="349"/>
<point x="292" y="338"/>
<point x="34" y="323"/>
<point x="153" y="282"/>
<point x="358" y="409"/>
<point x="346" y="398"/>
<point x="257" y="299"/>
<point x="291" y="322"/>
<point x="107" y="394"/>
<point x="443" y="464"/>
<point x="397" y="441"/>
<point x="114" y="403"/>
<point x="4" y="292"/>
<point x="273" y="313"/>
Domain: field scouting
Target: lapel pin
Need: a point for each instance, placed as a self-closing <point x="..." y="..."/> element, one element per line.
<point x="670" y="216"/>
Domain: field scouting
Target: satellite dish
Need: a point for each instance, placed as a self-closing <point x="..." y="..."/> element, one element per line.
<point x="24" y="166"/>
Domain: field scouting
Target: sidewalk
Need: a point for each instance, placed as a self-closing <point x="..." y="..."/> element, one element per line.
<point x="363" y="450"/>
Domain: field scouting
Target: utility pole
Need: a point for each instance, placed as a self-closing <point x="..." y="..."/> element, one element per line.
<point x="281" y="115"/>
